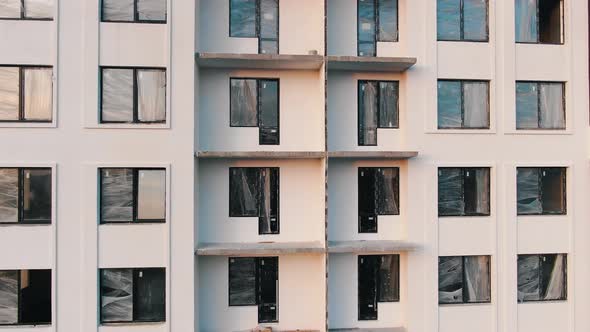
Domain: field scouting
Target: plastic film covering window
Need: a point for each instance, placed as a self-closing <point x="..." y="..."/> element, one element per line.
<point x="242" y="281"/>
<point x="481" y="192"/>
<point x="150" y="296"/>
<point x="366" y="28"/>
<point x="244" y="192"/>
<point x="450" y="279"/>
<point x="243" y="103"/>
<point x="269" y="26"/>
<point x="389" y="278"/>
<point x="542" y="277"/>
<point x="476" y="105"/>
<point x="387" y="180"/>
<point x="9" y="93"/>
<point x="528" y="278"/>
<point x="448" y="19"/>
<point x="368" y="108"/>
<point x="118" y="10"/>
<point x="117" y="95"/>
<point x="117" y="195"/>
<point x="388" y="31"/>
<point x="450" y="196"/>
<point x="8" y="297"/>
<point x="151" y="195"/>
<point x="243" y="18"/>
<point x="528" y="191"/>
<point x="38" y="92"/>
<point x="551" y="110"/>
<point x="449" y="105"/>
<point x="388" y="104"/>
<point x="151" y="95"/>
<point x="116" y="292"/>
<point x="477" y="279"/>
<point x="475" y="20"/>
<point x="151" y="10"/>
<point x="527" y="105"/>
<point x="268" y="200"/>
<point x="10" y="8"/>
<point x="37" y="195"/>
<point x="8" y="195"/>
<point x="39" y="9"/>
<point x="526" y="21"/>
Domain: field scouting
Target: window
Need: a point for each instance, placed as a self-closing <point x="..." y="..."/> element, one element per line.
<point x="26" y="94"/>
<point x="25" y="297"/>
<point x="255" y="281"/>
<point x="256" y="19"/>
<point x="539" y="21"/>
<point x="540" y="105"/>
<point x="41" y="10"/>
<point x="255" y="103"/>
<point x="378" y="194"/>
<point x="378" y="107"/>
<point x="376" y="22"/>
<point x="541" y="190"/>
<point x="133" y="95"/>
<point x="25" y="195"/>
<point x="542" y="277"/>
<point x="254" y="192"/>
<point x="138" y="11"/>
<point x="463" y="191"/>
<point x="462" y="20"/>
<point x="378" y="281"/>
<point x="463" y="104"/>
<point x="464" y="279"/>
<point x="132" y="195"/>
<point x="133" y="295"/>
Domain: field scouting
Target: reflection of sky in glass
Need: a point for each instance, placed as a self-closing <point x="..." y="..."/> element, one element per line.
<point x="449" y="104"/>
<point x="527" y="105"/>
<point x="448" y="19"/>
<point x="475" y="20"/>
<point x="243" y="18"/>
<point x="526" y="21"/>
<point x="387" y="20"/>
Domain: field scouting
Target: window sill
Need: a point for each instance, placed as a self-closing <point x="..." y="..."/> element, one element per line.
<point x="25" y="124"/>
<point x="478" y="304"/>
<point x="128" y="126"/>
<point x="463" y="131"/>
<point x="20" y="224"/>
<point x="539" y="132"/>
<point x="379" y="329"/>
<point x="25" y="326"/>
<point x="133" y="324"/>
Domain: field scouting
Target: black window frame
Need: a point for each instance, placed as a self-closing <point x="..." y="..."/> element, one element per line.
<point x="379" y="283"/>
<point x="564" y="171"/>
<point x="462" y="26"/>
<point x="20" y="190"/>
<point x="561" y="28"/>
<point x="463" y="175"/>
<point x="135" y="93"/>
<point x="396" y="188"/>
<point x="21" y="93"/>
<point x="257" y="28"/>
<point x="135" y="274"/>
<point x="19" y="295"/>
<point x="375" y="25"/>
<point x="25" y="18"/>
<point x="564" y="271"/>
<point x="378" y="115"/>
<point x="136" y="19"/>
<point x="463" y="81"/>
<point x="463" y="281"/>
<point x="135" y="201"/>
<point x="563" y="97"/>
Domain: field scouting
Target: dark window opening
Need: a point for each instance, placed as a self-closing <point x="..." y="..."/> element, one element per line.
<point x="540" y="105"/>
<point x="25" y="195"/>
<point x="255" y="281"/>
<point x="134" y="11"/>
<point x="463" y="104"/>
<point x="462" y="20"/>
<point x="254" y="192"/>
<point x="378" y="281"/>
<point x="26" y="94"/>
<point x="539" y="21"/>
<point x="542" y="277"/>
<point x="377" y="21"/>
<point x="463" y="191"/>
<point x="255" y="103"/>
<point x="378" y="194"/>
<point x="378" y="107"/>
<point x="37" y="10"/>
<point x="256" y="19"/>
<point x="464" y="279"/>
<point x="26" y="297"/>
<point x="132" y="195"/>
<point x="541" y="191"/>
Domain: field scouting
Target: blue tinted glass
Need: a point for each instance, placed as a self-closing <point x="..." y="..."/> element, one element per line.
<point x="366" y="28"/>
<point x="269" y="26"/>
<point x="527" y="105"/>
<point x="526" y="21"/>
<point x="448" y="19"/>
<point x="242" y="18"/>
<point x="449" y="104"/>
<point x="475" y="20"/>
<point x="387" y="20"/>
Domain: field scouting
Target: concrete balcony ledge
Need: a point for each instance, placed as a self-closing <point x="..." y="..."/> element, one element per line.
<point x="393" y="155"/>
<point x="260" y="248"/>
<point x="379" y="329"/>
<point x="369" y="246"/>
<point x="372" y="64"/>
<point x="259" y="61"/>
<point x="260" y="154"/>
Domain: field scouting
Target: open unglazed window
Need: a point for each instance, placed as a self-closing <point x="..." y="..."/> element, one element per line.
<point x="539" y="21"/>
<point x="133" y="11"/>
<point x="25" y="297"/>
<point x="132" y="195"/>
<point x="26" y="94"/>
<point x="463" y="104"/>
<point x="25" y="195"/>
<point x="255" y="281"/>
<point x="256" y="19"/>
<point x="378" y="281"/>
<point x="463" y="191"/>
<point x="133" y="95"/>
<point x="255" y="103"/>
<point x="377" y="21"/>
<point x="464" y="279"/>
<point x="542" y="277"/>
<point x="254" y="192"/>
<point x="541" y="190"/>
<point x="462" y="20"/>
<point x="378" y="194"/>
<point x="132" y="295"/>
<point x="378" y="107"/>
<point x="41" y="10"/>
<point x="540" y="105"/>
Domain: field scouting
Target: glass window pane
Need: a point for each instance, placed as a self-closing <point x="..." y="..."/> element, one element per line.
<point x="553" y="278"/>
<point x="476" y="105"/>
<point x="366" y="28"/>
<point x="116" y="295"/>
<point x="269" y="47"/>
<point x="449" y="104"/>
<point x="526" y="21"/>
<point x="528" y="191"/>
<point x="527" y="105"/>
<point x="368" y="273"/>
<point x="151" y="95"/>
<point x="475" y="20"/>
<point x="367" y="117"/>
<point x="9" y="93"/>
<point x="118" y="10"/>
<point x="37" y="195"/>
<point x="35" y="297"/>
<point x="476" y="191"/>
<point x="269" y="107"/>
<point x="269" y="26"/>
<point x="117" y="95"/>
<point x="551" y="110"/>
<point x="242" y="18"/>
<point x="450" y="192"/>
<point x="243" y="103"/>
<point x="116" y="195"/>
<point x="8" y="297"/>
<point x="450" y="279"/>
<point x="389" y="278"/>
<point x="448" y="19"/>
<point x="550" y="21"/>
<point x="151" y="10"/>
<point x="9" y="195"/>
<point x="150" y="296"/>
<point x="388" y="105"/>
<point x="528" y="278"/>
<point x="151" y="195"/>
<point x="244" y="184"/>
<point x="367" y="199"/>
<point x="553" y="193"/>
<point x="387" y="190"/>
<point x="387" y="20"/>
<point x="10" y="9"/>
<point x="242" y="281"/>
<point x="39" y="9"/>
<point x="477" y="279"/>
<point x="38" y="94"/>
